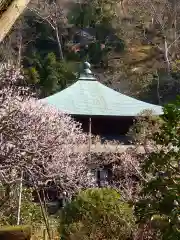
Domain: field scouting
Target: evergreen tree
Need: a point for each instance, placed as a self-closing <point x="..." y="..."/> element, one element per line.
<point x="48" y="73"/>
<point x="159" y="202"/>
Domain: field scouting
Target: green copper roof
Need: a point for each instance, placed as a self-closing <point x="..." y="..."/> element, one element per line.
<point x="89" y="97"/>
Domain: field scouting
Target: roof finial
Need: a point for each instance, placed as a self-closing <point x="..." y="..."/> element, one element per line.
<point x="87" y="73"/>
<point x="87" y="69"/>
<point x="87" y="65"/>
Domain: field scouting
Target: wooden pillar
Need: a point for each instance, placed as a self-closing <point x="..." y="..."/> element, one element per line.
<point x="90" y="133"/>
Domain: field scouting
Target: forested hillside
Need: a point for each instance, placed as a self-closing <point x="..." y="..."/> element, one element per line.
<point x="133" y="45"/>
<point x="56" y="180"/>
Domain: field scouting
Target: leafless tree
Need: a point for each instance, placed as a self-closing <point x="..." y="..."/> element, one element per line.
<point x="53" y="14"/>
<point x="163" y="31"/>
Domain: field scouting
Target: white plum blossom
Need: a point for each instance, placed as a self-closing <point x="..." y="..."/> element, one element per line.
<point x="38" y="140"/>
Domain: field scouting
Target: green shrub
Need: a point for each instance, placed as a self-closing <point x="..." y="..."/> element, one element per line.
<point x="159" y="198"/>
<point x="97" y="214"/>
<point x="15" y="233"/>
<point x="30" y="211"/>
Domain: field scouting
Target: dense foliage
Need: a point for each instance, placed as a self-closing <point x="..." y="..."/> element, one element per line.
<point x="159" y="201"/>
<point x="133" y="45"/>
<point x="47" y="73"/>
<point x="30" y="211"/>
<point x="97" y="214"/>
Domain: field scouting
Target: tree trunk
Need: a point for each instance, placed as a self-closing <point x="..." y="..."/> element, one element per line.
<point x="20" y="200"/>
<point x="157" y="89"/>
<point x="59" y="43"/>
<point x="19" y="51"/>
<point x="10" y="15"/>
<point x="166" y="56"/>
<point x="43" y="212"/>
